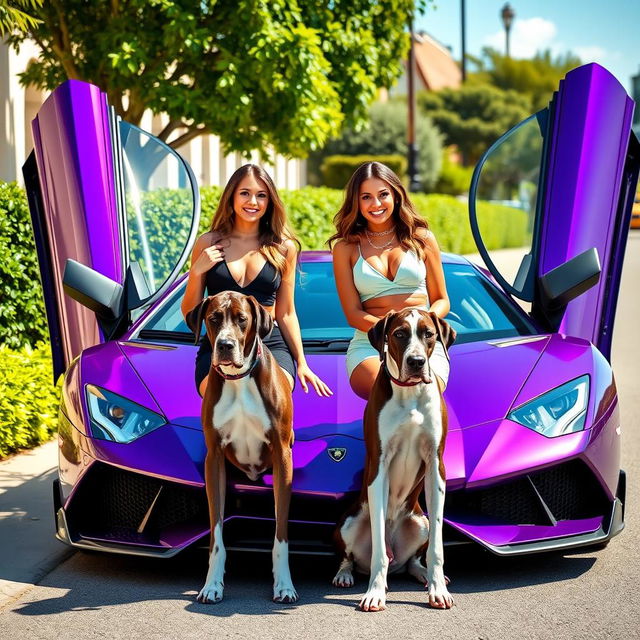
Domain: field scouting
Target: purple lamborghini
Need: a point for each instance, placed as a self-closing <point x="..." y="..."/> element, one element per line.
<point x="533" y="450"/>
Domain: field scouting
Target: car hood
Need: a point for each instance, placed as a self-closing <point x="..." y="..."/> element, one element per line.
<point x="487" y="378"/>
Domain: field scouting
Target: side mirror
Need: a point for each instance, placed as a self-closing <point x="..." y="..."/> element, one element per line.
<point x="93" y="290"/>
<point x="571" y="279"/>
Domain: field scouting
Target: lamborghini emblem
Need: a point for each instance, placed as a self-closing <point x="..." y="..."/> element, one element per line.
<point x="337" y="454"/>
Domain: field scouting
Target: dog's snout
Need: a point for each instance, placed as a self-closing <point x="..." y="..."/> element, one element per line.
<point x="225" y="344"/>
<point x="416" y="361"/>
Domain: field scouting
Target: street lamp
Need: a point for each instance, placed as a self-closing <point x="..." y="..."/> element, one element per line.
<point x="412" y="146"/>
<point x="463" y="38"/>
<point x="507" y="14"/>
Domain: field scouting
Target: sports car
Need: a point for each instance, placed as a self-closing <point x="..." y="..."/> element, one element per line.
<point x="533" y="449"/>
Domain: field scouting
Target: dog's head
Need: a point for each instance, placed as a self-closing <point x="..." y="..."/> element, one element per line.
<point x="232" y="321"/>
<point x="406" y="339"/>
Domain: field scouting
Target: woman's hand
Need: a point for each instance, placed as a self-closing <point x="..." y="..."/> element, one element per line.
<point x="207" y="259"/>
<point x="305" y="375"/>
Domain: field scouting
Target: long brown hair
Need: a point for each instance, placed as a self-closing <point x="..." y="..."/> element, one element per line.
<point x="273" y="229"/>
<point x="350" y="223"/>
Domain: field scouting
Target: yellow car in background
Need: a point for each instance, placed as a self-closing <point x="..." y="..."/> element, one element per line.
<point x="635" y="213"/>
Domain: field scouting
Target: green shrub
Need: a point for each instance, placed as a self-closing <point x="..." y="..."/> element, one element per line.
<point x="22" y="317"/>
<point x="336" y="170"/>
<point x="28" y="399"/>
<point x="454" y="179"/>
<point x="386" y="134"/>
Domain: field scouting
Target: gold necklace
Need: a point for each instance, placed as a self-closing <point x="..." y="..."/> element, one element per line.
<point x="377" y="234"/>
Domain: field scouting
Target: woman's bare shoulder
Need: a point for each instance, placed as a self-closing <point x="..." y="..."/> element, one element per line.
<point x="207" y="239"/>
<point x="344" y="248"/>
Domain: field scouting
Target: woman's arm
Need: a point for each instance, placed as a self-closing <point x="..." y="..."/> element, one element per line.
<point x="356" y="316"/>
<point x="436" y="287"/>
<point x="205" y="255"/>
<point x="290" y="326"/>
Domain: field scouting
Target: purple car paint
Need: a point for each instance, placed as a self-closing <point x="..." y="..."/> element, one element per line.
<point x="533" y="449"/>
<point x="73" y="143"/>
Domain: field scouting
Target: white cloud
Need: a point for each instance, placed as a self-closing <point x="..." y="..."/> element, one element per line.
<point x="597" y="54"/>
<point x="527" y="37"/>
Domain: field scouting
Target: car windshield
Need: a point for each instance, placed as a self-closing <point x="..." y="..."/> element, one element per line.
<point x="478" y="310"/>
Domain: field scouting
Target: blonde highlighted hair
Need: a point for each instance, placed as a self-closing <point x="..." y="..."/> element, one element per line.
<point x="350" y="223"/>
<point x="273" y="228"/>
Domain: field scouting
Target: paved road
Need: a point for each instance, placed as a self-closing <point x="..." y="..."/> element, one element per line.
<point x="593" y="594"/>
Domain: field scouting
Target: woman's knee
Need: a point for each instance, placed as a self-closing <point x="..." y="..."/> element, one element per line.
<point x="363" y="377"/>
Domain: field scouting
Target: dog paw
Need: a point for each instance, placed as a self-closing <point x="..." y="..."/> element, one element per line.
<point x="439" y="596"/>
<point x="211" y="593"/>
<point x="343" y="579"/>
<point x="374" y="600"/>
<point x="284" y="593"/>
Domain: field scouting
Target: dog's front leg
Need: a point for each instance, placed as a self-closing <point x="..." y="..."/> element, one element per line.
<point x="283" y="589"/>
<point x="378" y="497"/>
<point x="434" y="485"/>
<point x="215" y="481"/>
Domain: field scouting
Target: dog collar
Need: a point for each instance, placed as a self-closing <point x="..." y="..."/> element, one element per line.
<point x="238" y="376"/>
<point x="399" y="382"/>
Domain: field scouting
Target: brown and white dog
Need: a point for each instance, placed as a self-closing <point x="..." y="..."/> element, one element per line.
<point x="247" y="418"/>
<point x="405" y="425"/>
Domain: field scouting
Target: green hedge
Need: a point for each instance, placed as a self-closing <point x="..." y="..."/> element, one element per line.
<point x="311" y="211"/>
<point x="28" y="399"/>
<point x="337" y="170"/>
<point x="22" y="318"/>
<point x="453" y="179"/>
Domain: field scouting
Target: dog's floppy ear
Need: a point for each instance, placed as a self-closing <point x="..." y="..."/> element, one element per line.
<point x="195" y="317"/>
<point x="446" y="334"/>
<point x="261" y="317"/>
<point x="378" y="332"/>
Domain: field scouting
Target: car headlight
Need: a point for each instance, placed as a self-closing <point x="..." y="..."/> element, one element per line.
<point x="558" y="412"/>
<point x="118" y="419"/>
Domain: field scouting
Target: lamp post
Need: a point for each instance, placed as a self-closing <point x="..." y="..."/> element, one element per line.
<point x="463" y="34"/>
<point x="412" y="147"/>
<point x="507" y="14"/>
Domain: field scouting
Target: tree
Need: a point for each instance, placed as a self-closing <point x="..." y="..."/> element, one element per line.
<point x="14" y="15"/>
<point x="536" y="78"/>
<point x="386" y="134"/>
<point x="474" y="116"/>
<point x="257" y="73"/>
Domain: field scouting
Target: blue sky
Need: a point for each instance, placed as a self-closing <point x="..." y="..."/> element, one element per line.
<point x="603" y="31"/>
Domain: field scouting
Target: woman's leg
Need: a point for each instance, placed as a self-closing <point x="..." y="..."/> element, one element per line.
<point x="289" y="378"/>
<point x="203" y="386"/>
<point x="364" y="375"/>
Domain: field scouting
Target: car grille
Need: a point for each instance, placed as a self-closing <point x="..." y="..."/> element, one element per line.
<point x="123" y="506"/>
<point x="568" y="491"/>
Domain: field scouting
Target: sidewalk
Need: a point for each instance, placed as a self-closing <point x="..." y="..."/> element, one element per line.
<point x="28" y="547"/>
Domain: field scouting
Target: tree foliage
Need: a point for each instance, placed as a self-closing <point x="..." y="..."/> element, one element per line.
<point x="286" y="73"/>
<point x="15" y="15"/>
<point x="536" y="78"/>
<point x="386" y="134"/>
<point x="474" y="116"/>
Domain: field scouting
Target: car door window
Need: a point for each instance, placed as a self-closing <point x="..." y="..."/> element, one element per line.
<point x="506" y="184"/>
<point x="160" y="199"/>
